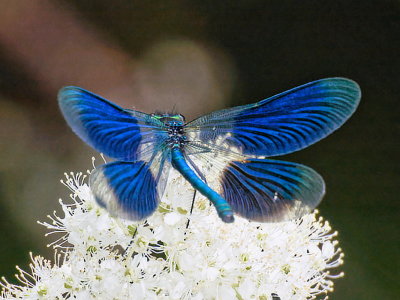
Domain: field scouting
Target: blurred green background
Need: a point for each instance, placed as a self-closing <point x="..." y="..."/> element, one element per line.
<point x="200" y="56"/>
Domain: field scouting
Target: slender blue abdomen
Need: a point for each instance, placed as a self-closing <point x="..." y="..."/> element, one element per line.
<point x="223" y="208"/>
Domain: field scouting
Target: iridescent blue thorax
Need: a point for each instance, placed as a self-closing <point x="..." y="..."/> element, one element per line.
<point x="174" y="125"/>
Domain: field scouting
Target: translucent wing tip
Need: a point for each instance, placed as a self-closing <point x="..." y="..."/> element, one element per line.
<point x="349" y="86"/>
<point x="66" y="92"/>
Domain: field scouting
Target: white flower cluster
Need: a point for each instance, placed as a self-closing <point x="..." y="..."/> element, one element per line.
<point x="97" y="258"/>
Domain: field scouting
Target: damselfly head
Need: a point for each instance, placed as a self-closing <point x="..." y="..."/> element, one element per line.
<point x="166" y="118"/>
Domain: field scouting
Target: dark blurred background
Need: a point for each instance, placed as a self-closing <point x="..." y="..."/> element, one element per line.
<point x="199" y="56"/>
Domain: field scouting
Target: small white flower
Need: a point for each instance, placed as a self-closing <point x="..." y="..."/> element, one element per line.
<point x="97" y="258"/>
<point x="172" y="218"/>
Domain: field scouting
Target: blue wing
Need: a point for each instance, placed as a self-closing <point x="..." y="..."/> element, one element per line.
<point x="271" y="191"/>
<point x="263" y="190"/>
<point x="122" y="134"/>
<point x="281" y="124"/>
<point x="130" y="190"/>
